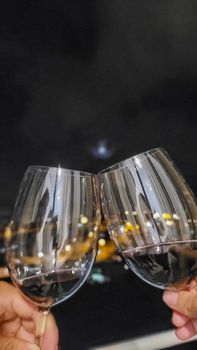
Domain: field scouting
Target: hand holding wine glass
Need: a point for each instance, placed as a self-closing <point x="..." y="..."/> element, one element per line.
<point x="184" y="306"/>
<point x="151" y="215"/>
<point x="53" y="238"/>
<point x="18" y="319"/>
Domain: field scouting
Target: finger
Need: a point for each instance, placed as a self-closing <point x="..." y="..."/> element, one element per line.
<point x="50" y="338"/>
<point x="183" y="302"/>
<point x="186" y="331"/>
<point x="178" y="319"/>
<point x="29" y="326"/>
<point x="23" y="307"/>
<point x="10" y="343"/>
<point x="23" y="334"/>
<point x="9" y="328"/>
<point x="13" y="304"/>
<point x="15" y="328"/>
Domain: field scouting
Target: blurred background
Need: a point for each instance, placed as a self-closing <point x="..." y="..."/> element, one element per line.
<point x="85" y="84"/>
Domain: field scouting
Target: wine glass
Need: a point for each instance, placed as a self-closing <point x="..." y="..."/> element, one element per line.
<point x="53" y="236"/>
<point x="151" y="215"/>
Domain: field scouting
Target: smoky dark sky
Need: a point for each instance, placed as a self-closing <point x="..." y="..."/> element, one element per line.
<point x="85" y="84"/>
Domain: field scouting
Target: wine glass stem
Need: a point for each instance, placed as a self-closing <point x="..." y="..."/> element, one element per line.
<point x="41" y="325"/>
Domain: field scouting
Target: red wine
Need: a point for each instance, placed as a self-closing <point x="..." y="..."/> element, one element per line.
<point x="171" y="265"/>
<point x="46" y="289"/>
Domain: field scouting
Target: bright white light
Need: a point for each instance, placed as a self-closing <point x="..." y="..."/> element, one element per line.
<point x="40" y="254"/>
<point x="59" y="171"/>
<point x="156" y="215"/>
<point x="175" y="216"/>
<point x="169" y="222"/>
<point x="121" y="228"/>
<point x="148" y="224"/>
<point x="67" y="248"/>
<point x="102" y="150"/>
<point x="138" y="162"/>
<point x="158" y="249"/>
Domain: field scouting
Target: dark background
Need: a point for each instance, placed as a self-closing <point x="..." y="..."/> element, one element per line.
<point x="85" y="84"/>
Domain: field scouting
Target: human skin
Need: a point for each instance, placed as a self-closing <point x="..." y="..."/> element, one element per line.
<point x="184" y="311"/>
<point x="18" y="319"/>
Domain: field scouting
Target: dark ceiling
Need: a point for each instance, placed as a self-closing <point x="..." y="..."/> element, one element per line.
<point x="85" y="84"/>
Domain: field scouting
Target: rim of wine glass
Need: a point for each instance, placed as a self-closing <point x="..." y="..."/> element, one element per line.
<point x="122" y="164"/>
<point x="64" y="171"/>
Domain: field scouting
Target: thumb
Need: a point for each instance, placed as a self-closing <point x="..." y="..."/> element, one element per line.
<point x="183" y="302"/>
<point x="11" y="343"/>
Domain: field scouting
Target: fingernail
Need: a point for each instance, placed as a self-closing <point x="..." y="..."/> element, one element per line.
<point x="170" y="298"/>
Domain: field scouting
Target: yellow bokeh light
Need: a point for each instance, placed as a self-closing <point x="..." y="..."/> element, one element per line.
<point x="90" y="234"/>
<point x="167" y="216"/>
<point x="7" y="233"/>
<point x="128" y="227"/>
<point x="84" y="220"/>
<point x="101" y="242"/>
